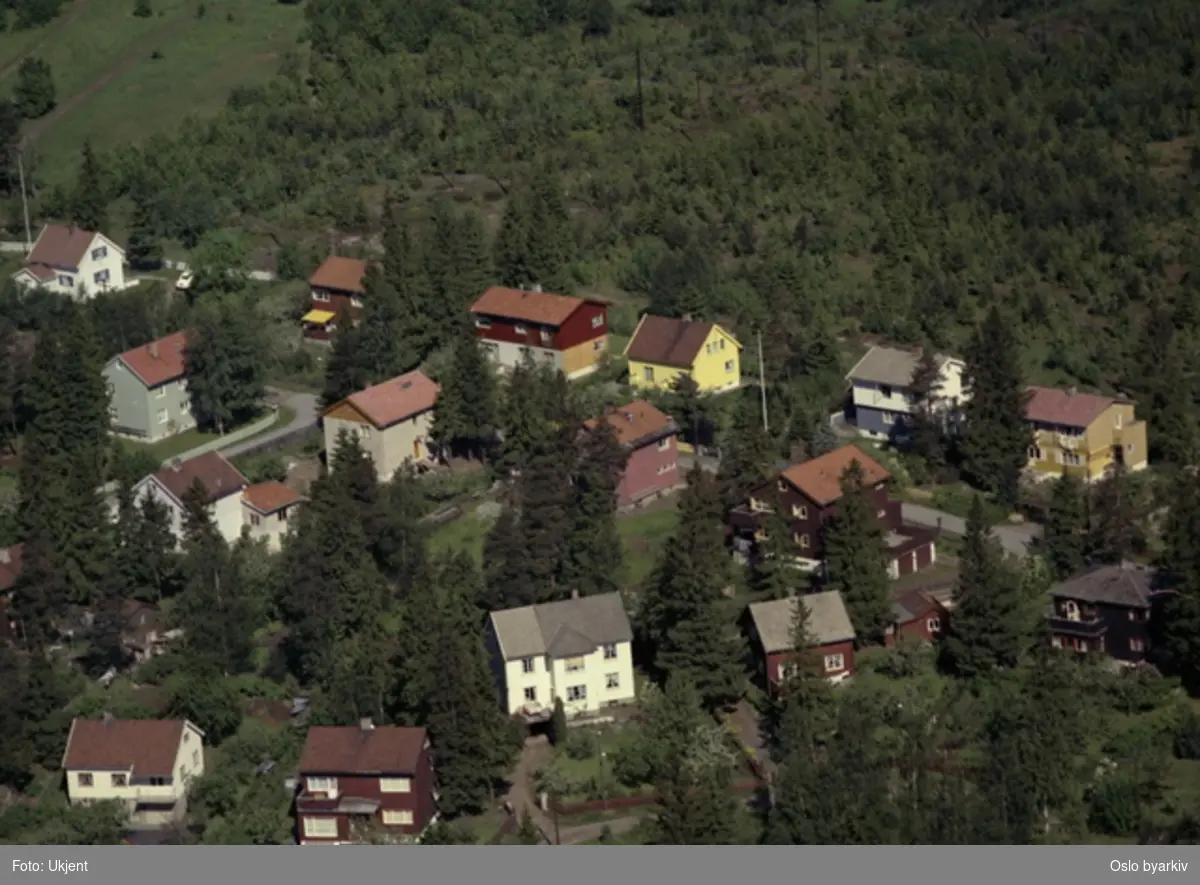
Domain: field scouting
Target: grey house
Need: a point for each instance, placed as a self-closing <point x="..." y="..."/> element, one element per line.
<point x="881" y="390"/>
<point x="147" y="389"/>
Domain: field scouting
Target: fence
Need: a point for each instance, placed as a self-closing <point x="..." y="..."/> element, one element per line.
<point x="229" y="439"/>
<point x="269" y="444"/>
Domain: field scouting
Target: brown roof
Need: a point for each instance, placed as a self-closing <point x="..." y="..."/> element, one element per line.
<point x="42" y="272"/>
<point x="820" y="479"/>
<point x="352" y="749"/>
<point x="397" y="399"/>
<point x="1050" y="405"/>
<point x="148" y="747"/>
<point x="342" y="274"/>
<point x="159" y="361"/>
<point x="544" y="308"/>
<point x="912" y="605"/>
<point x="61" y="246"/>
<point x="267" y="497"/>
<point x="636" y="421"/>
<point x="10" y="565"/>
<point x="220" y="478"/>
<point x="667" y="341"/>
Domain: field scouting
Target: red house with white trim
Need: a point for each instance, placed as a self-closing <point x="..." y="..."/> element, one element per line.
<point x="568" y="333"/>
<point x="771" y="627"/>
<point x="336" y="289"/>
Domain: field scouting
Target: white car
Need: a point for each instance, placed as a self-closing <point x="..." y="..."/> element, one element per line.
<point x="185" y="281"/>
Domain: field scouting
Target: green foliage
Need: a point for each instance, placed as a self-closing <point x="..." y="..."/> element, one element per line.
<point x="226" y="371"/>
<point x="90" y="197"/>
<point x="34" y="94"/>
<point x="558" y="724"/>
<point x="1065" y="538"/>
<point x="854" y="557"/>
<point x="213" y="704"/>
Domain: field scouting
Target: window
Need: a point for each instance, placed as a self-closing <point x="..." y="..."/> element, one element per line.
<point x="757" y="505"/>
<point x="612" y="680"/>
<point x="397" y="818"/>
<point x="162" y="416"/>
<point x="887" y="417"/>
<point x="85" y="780"/>
<point x="1118" y="420"/>
<point x="610" y="651"/>
<point x="881" y="514"/>
<point x="322" y="784"/>
<point x="782" y="485"/>
<point x="648" y="373"/>
<point x="196" y="758"/>
<point x="102" y="252"/>
<point x="799" y="511"/>
<point x="1071" y="610"/>
<point x="1056" y="642"/>
<point x="722" y="345"/>
<point x="665" y="468"/>
<point x="1035" y="453"/>
<point x="321" y="827"/>
<point x="159" y="781"/>
<point x="531" y="695"/>
<point x="318" y="295"/>
<point x="833" y="663"/>
<point x="933" y="625"/>
<point x="492" y="351"/>
<point x="885" y="389"/>
<point x="598" y="344"/>
<point x="64" y="280"/>
<point x="1137" y="645"/>
<point x="1136" y="614"/>
<point x="802" y="540"/>
<point x="547" y="336"/>
<point x="728" y="365"/>
<point x="120" y="780"/>
<point x="1129" y="449"/>
<point x="577" y="693"/>
<point x="528" y="665"/>
<point x="482" y="323"/>
<point x="395" y="785"/>
<point x="597" y="321"/>
<point x="664" y="443"/>
<point x="160" y="392"/>
<point x="113" y="413"/>
<point x="100" y="277"/>
<point x="355" y="301"/>
<point x="255" y="519"/>
<point x="520" y="330"/>
<point x="574" y="665"/>
<point x="1081" y="645"/>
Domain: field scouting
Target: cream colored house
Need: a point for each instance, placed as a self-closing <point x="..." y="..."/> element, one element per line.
<point x="73" y="262"/>
<point x="145" y="764"/>
<point x="269" y="509"/>
<point x="223" y="484"/>
<point x="579" y="649"/>
<point x="392" y="421"/>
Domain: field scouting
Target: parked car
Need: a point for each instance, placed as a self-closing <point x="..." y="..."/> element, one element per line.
<point x="185" y="281"/>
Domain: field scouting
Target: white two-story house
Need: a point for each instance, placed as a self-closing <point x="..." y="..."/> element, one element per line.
<point x="579" y="649"/>
<point x="145" y="764"/>
<point x="223" y="492"/>
<point x="881" y="390"/>
<point x="75" y="262"/>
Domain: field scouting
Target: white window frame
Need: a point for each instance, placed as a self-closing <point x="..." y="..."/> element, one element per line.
<point x="482" y="323"/>
<point x="835" y="663"/>
<point x="160" y="392"/>
<point x="397" y="817"/>
<point x="320" y="827"/>
<point x="119" y="779"/>
<point x="531" y="694"/>
<point x="722" y="343"/>
<point x="113" y="413"/>
<point x="574" y="665"/>
<point x="85" y="779"/>
<point x="598" y="344"/>
<point x="729" y="366"/>
<point x="576" y="694"/>
<point x="528" y="665"/>
<point x="610" y="651"/>
<point x="100" y="277"/>
<point x="802" y="540"/>
<point x="163" y="416"/>
<point x="597" y="321"/>
<point x="355" y="301"/>
<point x="395" y="785"/>
<point x="64" y="280"/>
<point x="101" y="252"/>
<point x="664" y="443"/>
<point x="933" y="625"/>
<point x="1136" y="644"/>
<point x="321" y="784"/>
<point x="323" y="297"/>
<point x="1056" y="642"/>
<point x="547" y="336"/>
<point x="887" y="417"/>
<point x="520" y="329"/>
<point x="612" y="681"/>
<point x="648" y="373"/>
<point x="799" y="511"/>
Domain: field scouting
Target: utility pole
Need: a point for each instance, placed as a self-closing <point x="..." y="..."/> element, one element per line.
<point x="641" y="104"/>
<point x="24" y="200"/>
<point x="762" y="384"/>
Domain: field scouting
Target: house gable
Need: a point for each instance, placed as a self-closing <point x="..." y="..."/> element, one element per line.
<point x="345" y="411"/>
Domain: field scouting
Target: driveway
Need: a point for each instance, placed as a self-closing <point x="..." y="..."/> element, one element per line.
<point x="306" y="409"/>
<point x="708" y="463"/>
<point x="1015" y="539"/>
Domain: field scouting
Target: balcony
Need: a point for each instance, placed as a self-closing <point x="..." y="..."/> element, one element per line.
<point x="744" y="519"/>
<point x="1090" y="627"/>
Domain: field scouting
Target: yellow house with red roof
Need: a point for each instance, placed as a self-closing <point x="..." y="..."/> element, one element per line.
<point x="392" y="421"/>
<point x="1082" y="433"/>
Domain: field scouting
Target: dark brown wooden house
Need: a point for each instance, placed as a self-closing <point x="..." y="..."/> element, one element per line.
<point x="1105" y="609"/>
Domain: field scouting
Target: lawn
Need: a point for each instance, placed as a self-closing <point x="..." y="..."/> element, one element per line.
<point x="176" y="66"/>
<point x="174" y="446"/>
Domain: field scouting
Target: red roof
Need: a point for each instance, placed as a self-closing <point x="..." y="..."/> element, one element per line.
<point x="267" y="497"/>
<point x="159" y="361"/>
<point x="392" y="401"/>
<point x="147" y="747"/>
<point x="1050" y="405"/>
<point x="61" y="246"/>
<point x="353" y="749"/>
<point x="667" y="342"/>
<point x="220" y="477"/>
<point x="543" y="308"/>
<point x="820" y="480"/>
<point x="342" y="274"/>
<point x="10" y="565"/>
<point x="635" y="421"/>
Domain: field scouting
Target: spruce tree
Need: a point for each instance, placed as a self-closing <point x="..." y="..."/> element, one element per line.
<point x="34" y="94"/>
<point x="145" y="563"/>
<point x="1158" y="375"/>
<point x="592" y="554"/>
<point x="464" y="422"/>
<point x="392" y="339"/>
<point x="996" y="438"/>
<point x="926" y="431"/>
<point x="1065" y="538"/>
<point x="855" y="560"/>
<point x="775" y="574"/>
<point x="90" y="197"/>
<point x="512" y="257"/>
<point x="507" y="570"/>
<point x="1113" y="517"/>
<point x="994" y="623"/>
<point x="1180" y="572"/>
<point x="225" y="366"/>
<point x="401" y="534"/>
<point x="748" y="456"/>
<point x="144" y="250"/>
<point x="545" y="495"/>
<point x="344" y="373"/>
<point x="551" y="242"/>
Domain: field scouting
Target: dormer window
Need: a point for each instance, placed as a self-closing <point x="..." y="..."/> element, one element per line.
<point x="597" y="321"/>
<point x="482" y="323"/>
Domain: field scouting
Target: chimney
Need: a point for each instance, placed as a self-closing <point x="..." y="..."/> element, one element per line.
<point x="574" y="594"/>
<point x="537" y="287"/>
<point x="366" y="724"/>
<point x="154" y="349"/>
<point x="108" y="717"/>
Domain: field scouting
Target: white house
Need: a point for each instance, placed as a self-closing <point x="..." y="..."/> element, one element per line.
<point x="223" y="485"/>
<point x="75" y="262"/>
<point x="579" y="649"/>
<point x="268" y="509"/>
<point x="145" y="764"/>
<point x="881" y="389"/>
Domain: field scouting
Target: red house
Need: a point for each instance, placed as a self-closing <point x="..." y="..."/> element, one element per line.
<point x="810" y="492"/>
<point x="919" y="615"/>
<point x="336" y="289"/>
<point x="364" y="779"/>
<point x="771" y="626"/>
<point x="649" y="436"/>
<point x="568" y="333"/>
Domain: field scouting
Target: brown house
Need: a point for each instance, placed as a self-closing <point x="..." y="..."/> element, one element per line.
<point x="810" y="492"/>
<point x="358" y="781"/>
<point x="649" y="437"/>
<point x="918" y="615"/>
<point x="1105" y="609"/>
<point x="336" y="290"/>
<point x="771" y="628"/>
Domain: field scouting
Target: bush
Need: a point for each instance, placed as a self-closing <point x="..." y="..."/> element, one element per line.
<point x="581" y="745"/>
<point x="1114" y="807"/>
<point x="142" y="9"/>
<point x="1187" y="738"/>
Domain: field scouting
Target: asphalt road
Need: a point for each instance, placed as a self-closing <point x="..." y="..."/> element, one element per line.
<point x="305" y="407"/>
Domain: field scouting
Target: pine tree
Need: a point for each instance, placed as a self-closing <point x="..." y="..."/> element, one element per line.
<point x="394" y="335"/>
<point x="775" y="574"/>
<point x="512" y="258"/>
<point x="996" y="437"/>
<point x="90" y="197"/>
<point x="225" y="366"/>
<point x="558" y="724"/>
<point x="545" y="495"/>
<point x="994" y="623"/>
<point x="592" y="559"/>
<point x="925" y="435"/>
<point x="465" y="419"/>
<point x="507" y="570"/>
<point x="748" y="456"/>
<point x="144" y="250"/>
<point x="400" y="537"/>
<point x="344" y="374"/>
<point x="855" y="563"/>
<point x="680" y="615"/>
<point x="1180" y="571"/>
<point x="1065" y="537"/>
<point x="1112" y="529"/>
<point x="145" y="563"/>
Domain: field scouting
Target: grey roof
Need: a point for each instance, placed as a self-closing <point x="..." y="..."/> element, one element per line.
<point x="828" y="620"/>
<point x="1126" y="584"/>
<point x="890" y="365"/>
<point x="563" y="629"/>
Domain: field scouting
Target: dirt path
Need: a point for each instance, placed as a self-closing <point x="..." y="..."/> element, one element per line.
<point x="51" y="30"/>
<point x="141" y="50"/>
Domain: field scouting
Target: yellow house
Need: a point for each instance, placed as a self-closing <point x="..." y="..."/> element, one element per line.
<point x="664" y="349"/>
<point x="1082" y="433"/>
